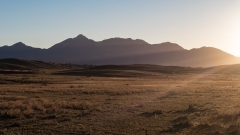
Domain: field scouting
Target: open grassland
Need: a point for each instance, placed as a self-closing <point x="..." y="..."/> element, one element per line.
<point x="119" y="102"/>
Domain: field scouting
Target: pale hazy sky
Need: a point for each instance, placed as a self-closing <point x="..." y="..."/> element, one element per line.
<point x="189" y="23"/>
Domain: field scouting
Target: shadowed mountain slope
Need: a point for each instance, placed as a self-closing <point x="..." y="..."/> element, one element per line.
<point x="81" y="50"/>
<point x="20" y="50"/>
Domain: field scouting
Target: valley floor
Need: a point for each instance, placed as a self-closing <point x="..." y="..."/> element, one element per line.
<point x="156" y="103"/>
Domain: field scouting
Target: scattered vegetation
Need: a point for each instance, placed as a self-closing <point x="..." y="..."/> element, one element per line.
<point x="131" y="102"/>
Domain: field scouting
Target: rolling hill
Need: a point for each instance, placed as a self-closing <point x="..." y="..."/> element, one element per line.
<point x="20" y="66"/>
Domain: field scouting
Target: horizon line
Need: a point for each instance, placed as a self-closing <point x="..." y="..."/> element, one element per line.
<point x="120" y="38"/>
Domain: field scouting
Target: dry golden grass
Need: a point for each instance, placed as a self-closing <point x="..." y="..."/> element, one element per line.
<point x="151" y="104"/>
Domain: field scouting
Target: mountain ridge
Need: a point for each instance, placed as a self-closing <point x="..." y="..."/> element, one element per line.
<point x="82" y="50"/>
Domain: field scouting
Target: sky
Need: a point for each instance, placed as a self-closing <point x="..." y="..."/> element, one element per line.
<point x="189" y="23"/>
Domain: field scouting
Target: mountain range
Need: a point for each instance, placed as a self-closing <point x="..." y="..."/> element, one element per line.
<point x="81" y="50"/>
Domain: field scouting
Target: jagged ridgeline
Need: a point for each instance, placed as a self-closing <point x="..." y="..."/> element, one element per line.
<point x="81" y="50"/>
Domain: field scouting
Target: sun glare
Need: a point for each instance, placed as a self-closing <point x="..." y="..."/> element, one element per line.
<point x="236" y="48"/>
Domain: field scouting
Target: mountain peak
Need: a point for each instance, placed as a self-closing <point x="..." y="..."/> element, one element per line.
<point x="169" y="46"/>
<point x="123" y="41"/>
<point x="20" y="44"/>
<point x="80" y="36"/>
